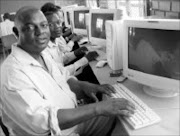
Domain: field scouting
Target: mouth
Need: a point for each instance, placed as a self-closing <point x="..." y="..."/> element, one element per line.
<point x="42" y="40"/>
<point x="58" y="32"/>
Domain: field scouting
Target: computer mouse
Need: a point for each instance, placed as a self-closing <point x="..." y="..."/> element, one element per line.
<point x="101" y="63"/>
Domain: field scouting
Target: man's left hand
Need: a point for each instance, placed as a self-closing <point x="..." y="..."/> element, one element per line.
<point x="91" y="89"/>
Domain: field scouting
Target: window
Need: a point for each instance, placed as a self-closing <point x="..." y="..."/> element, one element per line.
<point x="133" y="8"/>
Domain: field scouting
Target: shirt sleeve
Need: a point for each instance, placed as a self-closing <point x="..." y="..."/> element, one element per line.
<point x="70" y="44"/>
<point x="34" y="114"/>
<point x="77" y="67"/>
<point x="68" y="57"/>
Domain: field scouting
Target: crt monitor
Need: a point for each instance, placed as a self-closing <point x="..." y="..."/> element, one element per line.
<point x="67" y="16"/>
<point x="151" y="55"/>
<point x="97" y="19"/>
<point x="79" y="20"/>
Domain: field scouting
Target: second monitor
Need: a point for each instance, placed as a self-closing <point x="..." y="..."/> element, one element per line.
<point x="97" y="19"/>
<point x="78" y="21"/>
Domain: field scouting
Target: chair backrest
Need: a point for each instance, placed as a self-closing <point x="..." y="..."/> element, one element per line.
<point x="8" y="40"/>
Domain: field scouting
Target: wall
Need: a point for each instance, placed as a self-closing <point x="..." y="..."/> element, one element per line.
<point x="70" y="2"/>
<point x="165" y="8"/>
<point x="14" y="5"/>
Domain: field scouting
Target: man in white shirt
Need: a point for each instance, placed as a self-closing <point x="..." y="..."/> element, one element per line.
<point x="67" y="41"/>
<point x="39" y="98"/>
<point x="6" y="26"/>
<point x="54" y="47"/>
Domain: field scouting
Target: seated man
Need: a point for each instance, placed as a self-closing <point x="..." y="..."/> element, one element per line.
<point x="39" y="97"/>
<point x="68" y="41"/>
<point x="55" y="26"/>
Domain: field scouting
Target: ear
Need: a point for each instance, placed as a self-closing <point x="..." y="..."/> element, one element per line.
<point x="15" y="30"/>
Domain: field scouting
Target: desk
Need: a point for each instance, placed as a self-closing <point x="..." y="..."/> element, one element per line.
<point x="166" y="108"/>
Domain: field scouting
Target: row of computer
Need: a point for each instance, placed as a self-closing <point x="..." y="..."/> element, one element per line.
<point x="148" y="50"/>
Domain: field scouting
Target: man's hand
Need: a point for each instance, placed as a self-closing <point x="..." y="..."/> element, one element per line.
<point x="80" y="51"/>
<point x="90" y="90"/>
<point x="115" y="106"/>
<point x="91" y="55"/>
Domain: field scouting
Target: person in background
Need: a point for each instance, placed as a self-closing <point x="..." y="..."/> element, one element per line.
<point x="6" y="26"/>
<point x="71" y="44"/>
<point x="67" y="33"/>
<point x="40" y="98"/>
<point x="83" y="74"/>
<point x="55" y="26"/>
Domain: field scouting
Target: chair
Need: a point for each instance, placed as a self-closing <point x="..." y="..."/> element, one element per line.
<point x="7" y="41"/>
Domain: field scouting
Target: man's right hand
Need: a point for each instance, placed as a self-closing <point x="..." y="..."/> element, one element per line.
<point x="115" y="106"/>
<point x="91" y="55"/>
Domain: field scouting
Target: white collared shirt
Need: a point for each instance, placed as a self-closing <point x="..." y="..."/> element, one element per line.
<point x="31" y="96"/>
<point x="54" y="49"/>
<point x="6" y="28"/>
<point x="65" y="47"/>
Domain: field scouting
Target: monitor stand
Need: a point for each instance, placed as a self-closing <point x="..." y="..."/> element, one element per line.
<point x="160" y="92"/>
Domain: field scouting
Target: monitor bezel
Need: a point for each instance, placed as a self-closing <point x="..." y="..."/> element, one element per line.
<point x="144" y="78"/>
<point x="117" y="15"/>
<point x="65" y="11"/>
<point x="78" y="30"/>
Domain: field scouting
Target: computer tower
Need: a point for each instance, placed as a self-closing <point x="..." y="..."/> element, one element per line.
<point x="114" y="31"/>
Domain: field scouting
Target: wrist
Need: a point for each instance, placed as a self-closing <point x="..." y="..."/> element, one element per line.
<point x="97" y="110"/>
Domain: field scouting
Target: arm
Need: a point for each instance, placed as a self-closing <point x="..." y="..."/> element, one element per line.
<point x="26" y="105"/>
<point x="76" y="67"/>
<point x="112" y="107"/>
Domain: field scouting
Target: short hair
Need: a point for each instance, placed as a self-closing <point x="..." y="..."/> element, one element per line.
<point x="49" y="7"/>
<point x="58" y="7"/>
<point x="24" y="13"/>
<point x="6" y="16"/>
<point x="48" y="13"/>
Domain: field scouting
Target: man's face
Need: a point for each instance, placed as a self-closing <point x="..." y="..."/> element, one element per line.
<point x="34" y="33"/>
<point x="55" y="25"/>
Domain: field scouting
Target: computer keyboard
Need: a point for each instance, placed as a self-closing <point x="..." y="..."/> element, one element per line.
<point x="143" y="116"/>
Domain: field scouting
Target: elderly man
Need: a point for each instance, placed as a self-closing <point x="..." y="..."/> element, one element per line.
<point x="39" y="98"/>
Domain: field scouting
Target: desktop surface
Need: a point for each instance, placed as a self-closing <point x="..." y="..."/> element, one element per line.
<point x="166" y="108"/>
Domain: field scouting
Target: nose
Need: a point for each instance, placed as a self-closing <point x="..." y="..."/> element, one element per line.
<point x="57" y="25"/>
<point x="39" y="30"/>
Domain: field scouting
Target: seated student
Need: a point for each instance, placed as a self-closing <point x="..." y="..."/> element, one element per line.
<point x="66" y="46"/>
<point x="55" y="26"/>
<point x="40" y="98"/>
<point x="87" y="73"/>
<point x="6" y="26"/>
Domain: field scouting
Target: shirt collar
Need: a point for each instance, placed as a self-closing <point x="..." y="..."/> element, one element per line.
<point x="51" y="44"/>
<point x="23" y="57"/>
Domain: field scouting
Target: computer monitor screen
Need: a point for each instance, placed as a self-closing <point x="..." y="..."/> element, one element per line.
<point x="97" y="19"/>
<point x="154" y="51"/>
<point x="153" y="55"/>
<point x="79" y="19"/>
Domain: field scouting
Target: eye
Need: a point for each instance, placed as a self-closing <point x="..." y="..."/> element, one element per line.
<point x="45" y="25"/>
<point x="51" y="24"/>
<point x="60" y="22"/>
<point x="29" y="28"/>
